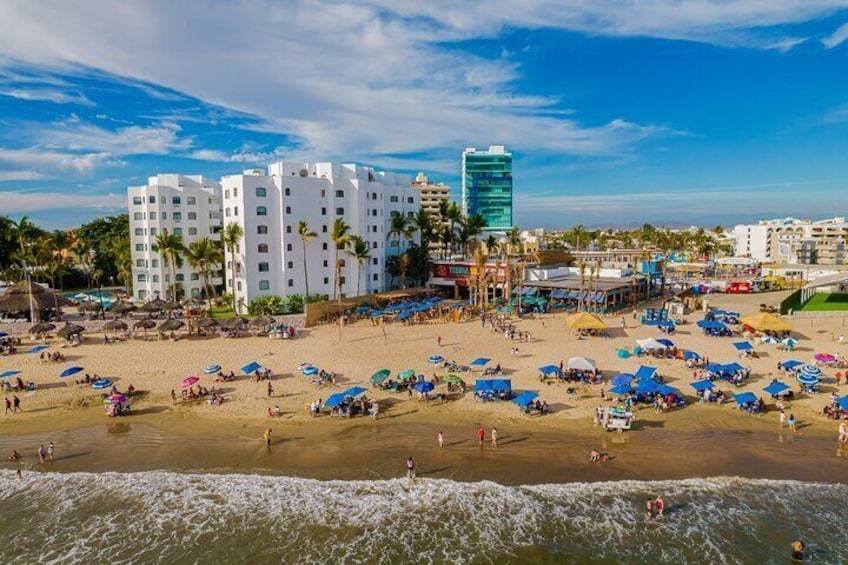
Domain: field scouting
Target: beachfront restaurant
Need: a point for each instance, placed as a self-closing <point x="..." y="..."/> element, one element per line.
<point x="600" y="295"/>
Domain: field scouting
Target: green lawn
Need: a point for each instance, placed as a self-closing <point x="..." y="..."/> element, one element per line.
<point x="220" y="312"/>
<point x="824" y="302"/>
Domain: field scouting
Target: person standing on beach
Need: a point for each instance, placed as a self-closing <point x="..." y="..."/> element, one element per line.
<point x="650" y="508"/>
<point x="270" y="389"/>
<point x="623" y="323"/>
<point x="173" y="397"/>
<point x="51" y="451"/>
<point x="8" y="405"/>
<point x="481" y="435"/>
<point x="410" y="468"/>
<point x="42" y="454"/>
<point x="267" y="437"/>
<point x="792" y="423"/>
<point x="659" y="505"/>
<point x="439" y="340"/>
<point x="494" y="436"/>
<point x="441" y="439"/>
<point x="16" y="402"/>
<point x="782" y="418"/>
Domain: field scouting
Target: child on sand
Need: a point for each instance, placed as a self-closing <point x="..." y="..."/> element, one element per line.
<point x="441" y="439"/>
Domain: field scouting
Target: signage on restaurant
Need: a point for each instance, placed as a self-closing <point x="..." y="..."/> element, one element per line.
<point x="461" y="272"/>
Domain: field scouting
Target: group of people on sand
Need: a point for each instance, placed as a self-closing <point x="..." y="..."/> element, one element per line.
<point x="19" y="385"/>
<point x="51" y="356"/>
<point x="216" y="397"/>
<point x="9" y="345"/>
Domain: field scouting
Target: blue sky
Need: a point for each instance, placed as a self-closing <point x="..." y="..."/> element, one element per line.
<point x="617" y="113"/>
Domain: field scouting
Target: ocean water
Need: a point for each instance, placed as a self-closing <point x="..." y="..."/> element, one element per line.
<point x="164" y="517"/>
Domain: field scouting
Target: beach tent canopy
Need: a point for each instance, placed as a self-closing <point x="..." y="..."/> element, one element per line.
<point x="70" y="371"/>
<point x="790" y="364"/>
<point x="548" y="369"/>
<point x="37" y="348"/>
<point x="621" y="389"/>
<point x="585" y="321"/>
<point x="334" y="400"/>
<point x="825" y="357"/>
<point x="765" y="323"/>
<point x="705" y="384"/>
<point x="355" y="392"/>
<point x="647" y="387"/>
<point x="732" y="367"/>
<point x="776" y="388"/>
<point x="623" y="354"/>
<point x="743" y="346"/>
<point x="623" y="379"/>
<point x="842" y="402"/>
<point x="770" y="340"/>
<point x="665" y="390"/>
<point x="251" y="368"/>
<point x="714" y="367"/>
<point x="711" y="325"/>
<point x="480" y="362"/>
<point x="581" y="364"/>
<point x="380" y="376"/>
<point x="666" y="342"/>
<point x="526" y="397"/>
<point x="744" y="397"/>
<point x="789" y="341"/>
<point x="492" y="385"/>
<point x="645" y="372"/>
<point x="7" y="374"/>
<point x="687" y="355"/>
<point x="650" y="343"/>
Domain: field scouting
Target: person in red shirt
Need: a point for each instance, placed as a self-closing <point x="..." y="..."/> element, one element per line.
<point x="481" y="435"/>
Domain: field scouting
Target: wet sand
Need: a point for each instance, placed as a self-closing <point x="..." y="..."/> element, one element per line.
<point x="372" y="450"/>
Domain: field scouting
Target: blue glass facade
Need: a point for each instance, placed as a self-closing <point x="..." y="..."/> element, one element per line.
<point x="487" y="186"/>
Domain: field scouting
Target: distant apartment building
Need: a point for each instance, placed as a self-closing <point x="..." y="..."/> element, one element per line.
<point x="185" y="205"/>
<point x="792" y="241"/>
<point x="431" y="194"/>
<point x="269" y="205"/>
<point x="487" y="186"/>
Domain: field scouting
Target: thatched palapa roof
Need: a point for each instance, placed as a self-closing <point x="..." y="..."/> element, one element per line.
<point x="17" y="298"/>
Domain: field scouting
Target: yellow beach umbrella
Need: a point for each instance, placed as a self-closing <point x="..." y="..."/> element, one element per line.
<point x="765" y="323"/>
<point x="585" y="321"/>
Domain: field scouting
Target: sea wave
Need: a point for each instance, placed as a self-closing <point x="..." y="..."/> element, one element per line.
<point x="192" y="518"/>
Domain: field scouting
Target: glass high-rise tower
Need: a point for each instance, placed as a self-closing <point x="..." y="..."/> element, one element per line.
<point x="487" y="186"/>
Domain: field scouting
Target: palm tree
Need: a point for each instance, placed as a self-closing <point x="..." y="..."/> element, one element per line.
<point x="399" y="227"/>
<point x="582" y="285"/>
<point x="339" y="236"/>
<point x="171" y="248"/>
<point x="474" y="226"/>
<point x="492" y="244"/>
<point x="403" y="265"/>
<point x="306" y="235"/>
<point x="454" y="217"/>
<point x="513" y="238"/>
<point x="204" y="256"/>
<point x="359" y="249"/>
<point x="232" y="236"/>
<point x="123" y="260"/>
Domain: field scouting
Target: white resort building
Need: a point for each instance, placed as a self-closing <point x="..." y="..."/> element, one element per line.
<point x="269" y="205"/>
<point x="184" y="205"/>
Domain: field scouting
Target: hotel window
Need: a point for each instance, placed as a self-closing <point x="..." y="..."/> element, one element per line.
<point x="340" y="194"/>
<point x="191" y="200"/>
<point x="178" y="216"/>
<point x="142" y="277"/>
<point x="151" y="199"/>
<point x="139" y="262"/>
<point x="139" y="247"/>
<point x="261" y="192"/>
<point x="410" y="200"/>
<point x="376" y="277"/>
<point x="137" y="216"/>
<point x="195" y="277"/>
<point x="262" y="248"/>
<point x="178" y="231"/>
<point x="263" y="267"/>
<point x="288" y="191"/>
<point x="262" y="229"/>
<point x="290" y="265"/>
<point x="326" y="280"/>
<point x="137" y="200"/>
<point x="373" y="245"/>
<point x="324" y="228"/>
<point x="342" y="280"/>
<point x="264" y="285"/>
<point x="235" y="192"/>
<point x="153" y="215"/>
<point x="288" y="247"/>
<point x="261" y="211"/>
<point x="192" y="215"/>
<point x="393" y="199"/>
<point x="326" y="263"/>
<point x="374" y="212"/>
<point x="164" y="215"/>
<point x="180" y="277"/>
<point x="238" y="285"/>
<point x="324" y="246"/>
<point x="176" y="200"/>
<point x="226" y="194"/>
<point x="323" y="211"/>
<point x="235" y="210"/>
<point x="154" y="263"/>
<point x="410" y="214"/>
<point x="139" y="231"/>
<point x="154" y="231"/>
<point x="339" y="211"/>
<point x="192" y="231"/>
<point x="375" y="261"/>
<point x="291" y="283"/>
<point x="288" y="209"/>
<point x="155" y="278"/>
<point x="288" y="229"/>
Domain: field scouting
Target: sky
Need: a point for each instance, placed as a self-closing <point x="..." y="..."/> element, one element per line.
<point x="673" y="112"/>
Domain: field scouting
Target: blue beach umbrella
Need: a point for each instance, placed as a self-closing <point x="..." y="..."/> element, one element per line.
<point x="807" y="380"/>
<point x="776" y="388"/>
<point x="621" y="389"/>
<point x="424" y="387"/>
<point x="7" y="374"/>
<point x="250" y="368"/>
<point x="622" y="379"/>
<point x="623" y="354"/>
<point x="525" y="397"/>
<point x="480" y="361"/>
<point x="743" y="346"/>
<point x="70" y="371"/>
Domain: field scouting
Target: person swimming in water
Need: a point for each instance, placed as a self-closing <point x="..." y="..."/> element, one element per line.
<point x="650" y="508"/>
<point x="798" y="547"/>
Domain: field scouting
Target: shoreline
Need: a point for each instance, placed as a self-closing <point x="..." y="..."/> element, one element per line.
<point x="378" y="452"/>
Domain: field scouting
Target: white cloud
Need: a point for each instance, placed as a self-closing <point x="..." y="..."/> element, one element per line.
<point x="29" y="202"/>
<point x="76" y="135"/>
<point x="49" y="95"/>
<point x="360" y="81"/>
<point x="21" y="175"/>
<point x="838" y="37"/>
<point x="47" y="163"/>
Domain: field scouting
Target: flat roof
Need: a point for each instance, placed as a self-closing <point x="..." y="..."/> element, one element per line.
<point x="601" y="285"/>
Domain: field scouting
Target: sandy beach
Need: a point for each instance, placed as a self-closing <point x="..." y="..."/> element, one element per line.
<point x="562" y="439"/>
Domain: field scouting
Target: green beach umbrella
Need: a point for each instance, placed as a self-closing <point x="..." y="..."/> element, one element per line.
<point x="380" y="376"/>
<point x="453" y="379"/>
<point x="406" y="374"/>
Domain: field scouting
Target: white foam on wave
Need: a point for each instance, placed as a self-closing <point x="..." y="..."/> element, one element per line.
<point x="172" y="517"/>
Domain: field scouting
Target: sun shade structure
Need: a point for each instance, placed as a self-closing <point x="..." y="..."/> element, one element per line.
<point x="584" y="321"/>
<point x="41" y="328"/>
<point x="744" y="397"/>
<point x="69" y="330"/>
<point x="621" y="389"/>
<point x="480" y="362"/>
<point x="145" y="324"/>
<point x="703" y="385"/>
<point x="250" y="368"/>
<point x="171" y="325"/>
<point x="581" y="364"/>
<point x="206" y="323"/>
<point x="650" y="343"/>
<point x="776" y="388"/>
<point x="790" y="364"/>
<point x="155" y="305"/>
<point x="7" y="374"/>
<point x="743" y="346"/>
<point x="645" y="372"/>
<point x="526" y="397"/>
<point x="20" y="296"/>
<point x="548" y="369"/>
<point x="380" y="376"/>
<point x="115" y="325"/>
<point x="623" y="379"/>
<point x="70" y="371"/>
<point x="493" y="385"/>
<point x="765" y="323"/>
<point x="842" y="402"/>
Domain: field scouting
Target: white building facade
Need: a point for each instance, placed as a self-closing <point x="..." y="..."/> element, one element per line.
<point x="184" y="205"/>
<point x="272" y="259"/>
<point x="792" y="241"/>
